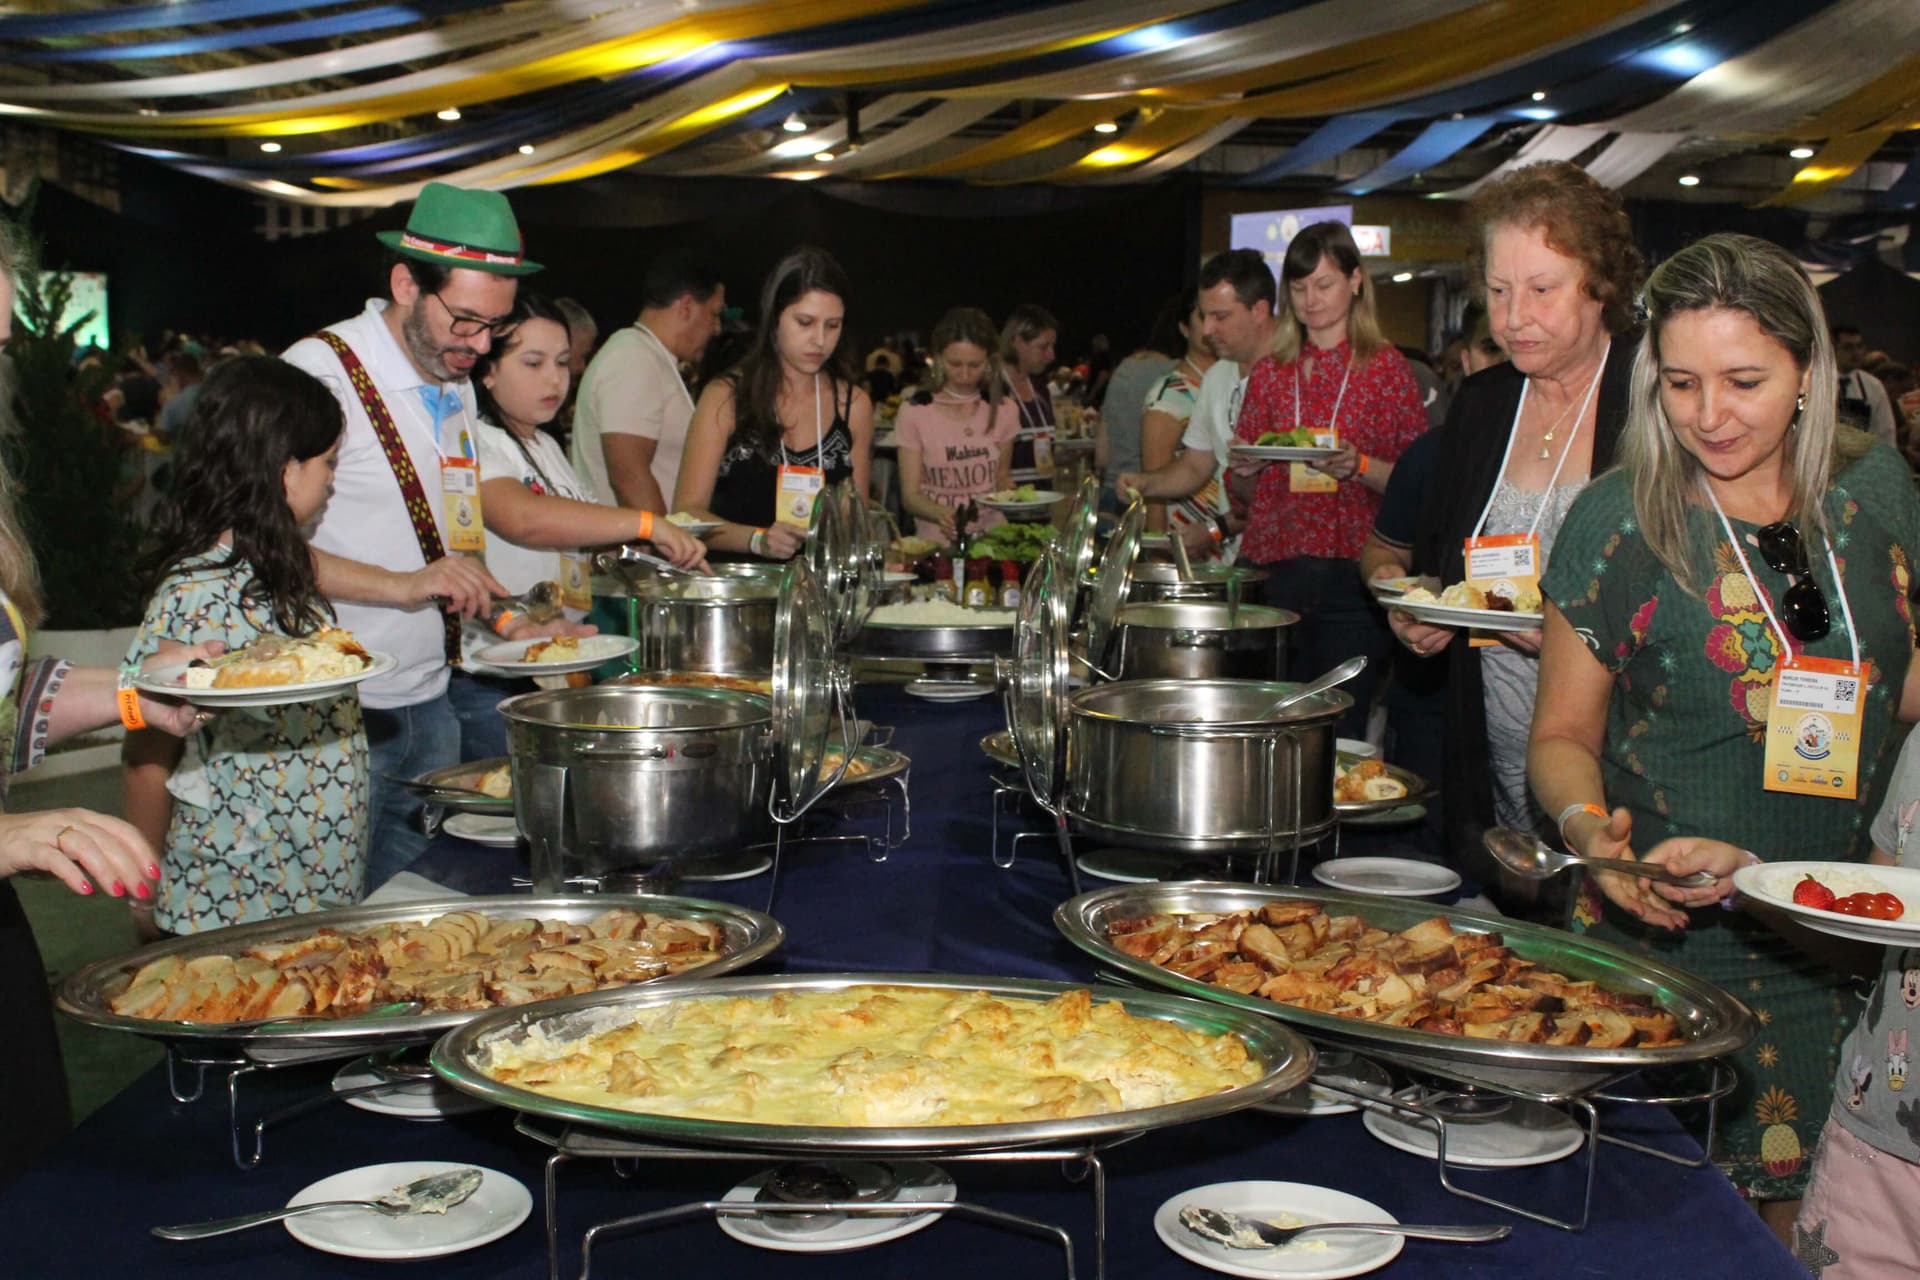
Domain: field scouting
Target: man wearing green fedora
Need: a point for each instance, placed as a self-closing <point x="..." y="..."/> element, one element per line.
<point x="398" y="547"/>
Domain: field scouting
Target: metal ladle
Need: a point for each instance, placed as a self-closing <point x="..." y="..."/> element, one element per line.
<point x="1338" y="676"/>
<point x="1525" y="856"/>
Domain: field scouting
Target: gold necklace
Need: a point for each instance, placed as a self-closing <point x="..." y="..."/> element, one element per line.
<point x="1547" y="439"/>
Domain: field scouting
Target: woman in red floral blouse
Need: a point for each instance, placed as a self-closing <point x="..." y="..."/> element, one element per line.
<point x="1332" y="373"/>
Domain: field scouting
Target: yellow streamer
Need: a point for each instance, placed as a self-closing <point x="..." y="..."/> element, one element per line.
<point x="1056" y="126"/>
<point x="1890" y="102"/>
<point x="1169" y="128"/>
<point x="1840" y="157"/>
<point x="667" y="135"/>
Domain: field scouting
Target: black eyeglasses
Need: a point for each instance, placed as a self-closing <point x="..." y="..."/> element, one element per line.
<point x="471" y="326"/>
<point x="1804" y="608"/>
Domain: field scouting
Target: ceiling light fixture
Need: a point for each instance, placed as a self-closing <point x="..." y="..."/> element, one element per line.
<point x="824" y="157"/>
<point x="526" y="148"/>
<point x="1539" y="95"/>
<point x="1401" y="277"/>
<point x="1801" y="153"/>
<point x="270" y="147"/>
<point x="1689" y="179"/>
<point x="450" y="113"/>
<point x="794" y="124"/>
<point x="1106" y="126"/>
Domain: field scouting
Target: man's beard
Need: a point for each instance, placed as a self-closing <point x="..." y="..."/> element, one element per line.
<point x="421" y="347"/>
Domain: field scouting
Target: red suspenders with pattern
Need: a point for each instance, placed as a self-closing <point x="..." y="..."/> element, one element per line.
<point x="419" y="510"/>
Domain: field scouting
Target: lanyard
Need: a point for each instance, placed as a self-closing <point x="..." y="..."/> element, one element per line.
<point x="1840" y="588"/>
<point x="1038" y="422"/>
<point x="538" y="470"/>
<point x="441" y="403"/>
<point x="672" y="363"/>
<point x="1334" y="420"/>
<point x="1238" y="395"/>
<point x="819" y="435"/>
<point x="1565" y="452"/>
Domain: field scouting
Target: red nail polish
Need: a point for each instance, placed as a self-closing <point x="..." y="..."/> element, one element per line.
<point x="86" y="886"/>
<point x="153" y="871"/>
<point x="119" y="890"/>
<point x="141" y="891"/>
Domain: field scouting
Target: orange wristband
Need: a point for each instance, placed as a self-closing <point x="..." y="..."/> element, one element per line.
<point x="129" y="699"/>
<point x="1574" y="810"/>
<point x="1364" y="460"/>
<point x="646" y="526"/>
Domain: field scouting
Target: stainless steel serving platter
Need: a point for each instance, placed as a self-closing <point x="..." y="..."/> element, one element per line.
<point x="881" y="762"/>
<point x="1713" y="1021"/>
<point x="86" y="996"/>
<point x="1285" y="1059"/>
<point x="947" y="642"/>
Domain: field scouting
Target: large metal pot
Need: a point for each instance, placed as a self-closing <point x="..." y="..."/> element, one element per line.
<point x="721" y="622"/>
<point x="622" y="776"/>
<point x="1201" y="640"/>
<point x="1195" y="765"/>
<point x="1162" y="580"/>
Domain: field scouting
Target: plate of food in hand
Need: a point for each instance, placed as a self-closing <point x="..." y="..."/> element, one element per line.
<point x="270" y="671"/>
<point x="1391" y="587"/>
<point x="1465" y="605"/>
<point x="1025" y="498"/>
<point x="1846" y="900"/>
<point x="1285" y="446"/>
<point x="1364" y="785"/>
<point x="552" y="655"/>
<point x="687" y="522"/>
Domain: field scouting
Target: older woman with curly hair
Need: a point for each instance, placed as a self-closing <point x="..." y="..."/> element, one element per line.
<point x="1555" y="255"/>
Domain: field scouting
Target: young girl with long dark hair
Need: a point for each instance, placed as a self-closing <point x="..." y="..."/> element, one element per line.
<point x="267" y="813"/>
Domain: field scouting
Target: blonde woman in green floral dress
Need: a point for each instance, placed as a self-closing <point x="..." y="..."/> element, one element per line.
<point x="1742" y="529"/>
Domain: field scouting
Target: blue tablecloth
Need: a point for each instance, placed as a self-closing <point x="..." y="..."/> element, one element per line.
<point x="936" y="904"/>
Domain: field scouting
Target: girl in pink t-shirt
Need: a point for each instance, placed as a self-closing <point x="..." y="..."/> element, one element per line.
<point x="956" y="442"/>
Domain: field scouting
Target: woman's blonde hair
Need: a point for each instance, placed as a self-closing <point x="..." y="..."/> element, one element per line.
<point x="969" y="325"/>
<point x="19" y="576"/>
<point x="1734" y="273"/>
<point x="1332" y="241"/>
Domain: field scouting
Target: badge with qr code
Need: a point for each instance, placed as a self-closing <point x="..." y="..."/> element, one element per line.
<point x="1813" y="728"/>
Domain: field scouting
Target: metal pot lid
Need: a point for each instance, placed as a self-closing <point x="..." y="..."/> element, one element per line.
<point x="1037" y="688"/>
<point x="1203" y="615"/>
<point x="803" y="685"/>
<point x="1111" y="582"/>
<point x="1079" y="534"/>
<point x="864" y="560"/>
<point x="826" y="548"/>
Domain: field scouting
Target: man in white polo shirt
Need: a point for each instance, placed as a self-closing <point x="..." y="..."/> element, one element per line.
<point x="1238" y="299"/>
<point x="405" y="504"/>
<point x="631" y="417"/>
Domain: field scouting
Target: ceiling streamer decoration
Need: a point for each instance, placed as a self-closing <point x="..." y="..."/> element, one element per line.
<point x="344" y="93"/>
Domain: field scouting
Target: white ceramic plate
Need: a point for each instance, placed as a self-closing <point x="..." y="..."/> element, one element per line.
<point x="1311" y="1100"/>
<point x="1389" y="877"/>
<point x="1284" y="452"/>
<point x="482" y="828"/>
<point x="897" y="577"/>
<point x="594" y="650"/>
<point x="1128" y="866"/>
<point x="918" y="1182"/>
<point x="167" y="682"/>
<point x="1358" y="748"/>
<point x="1393" y="586"/>
<point x="412" y="1100"/>
<point x="948" y="690"/>
<point x="1772" y="883"/>
<point x="1527" y="1133"/>
<point x="1046" y="499"/>
<point x="740" y="866"/>
<point x="1315" y="1257"/>
<point x="1447" y="615"/>
<point x="501" y="1204"/>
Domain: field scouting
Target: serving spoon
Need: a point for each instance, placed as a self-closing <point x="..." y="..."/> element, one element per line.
<point x="435" y="1193"/>
<point x="1525" y="856"/>
<point x="1338" y="676"/>
<point x="1238" y="1231"/>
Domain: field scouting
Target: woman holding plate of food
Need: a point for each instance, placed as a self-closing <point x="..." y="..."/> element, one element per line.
<point x="1334" y="377"/>
<point x="1728" y="642"/>
<point x="1555" y="254"/>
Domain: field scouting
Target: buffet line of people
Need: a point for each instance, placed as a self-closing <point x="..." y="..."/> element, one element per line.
<point x="1659" y="457"/>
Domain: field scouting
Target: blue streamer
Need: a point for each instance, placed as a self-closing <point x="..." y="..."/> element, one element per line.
<point x="1436" y="142"/>
<point x="147" y="16"/>
<point x="1342" y="133"/>
<point x="357" y="22"/>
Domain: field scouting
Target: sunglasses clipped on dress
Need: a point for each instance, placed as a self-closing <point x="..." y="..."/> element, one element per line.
<point x="1804" y="607"/>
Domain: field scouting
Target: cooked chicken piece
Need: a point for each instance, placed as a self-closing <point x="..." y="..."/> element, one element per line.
<point x="1240" y="976"/>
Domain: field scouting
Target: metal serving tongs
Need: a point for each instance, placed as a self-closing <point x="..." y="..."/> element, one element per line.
<point x="1526" y="856"/>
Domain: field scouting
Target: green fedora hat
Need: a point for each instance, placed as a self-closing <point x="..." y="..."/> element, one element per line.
<point x="459" y="228"/>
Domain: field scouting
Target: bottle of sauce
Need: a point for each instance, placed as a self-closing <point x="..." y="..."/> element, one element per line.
<point x="1009" y="584"/>
<point x="943" y="585"/>
<point x="978" y="593"/>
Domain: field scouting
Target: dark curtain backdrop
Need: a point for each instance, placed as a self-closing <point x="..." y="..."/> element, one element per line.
<point x="182" y="253"/>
